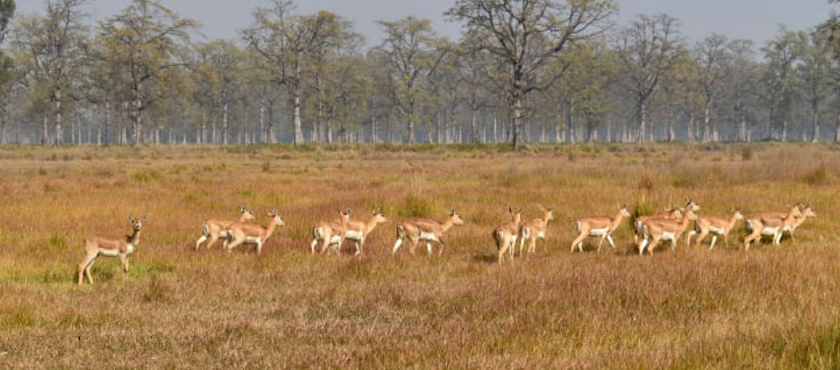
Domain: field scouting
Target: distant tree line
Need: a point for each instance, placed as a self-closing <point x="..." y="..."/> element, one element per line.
<point x="524" y="71"/>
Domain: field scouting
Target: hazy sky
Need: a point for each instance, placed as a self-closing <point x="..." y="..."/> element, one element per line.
<point x="753" y="19"/>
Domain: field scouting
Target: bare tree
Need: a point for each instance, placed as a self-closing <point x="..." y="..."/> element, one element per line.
<point x="524" y="35"/>
<point x="647" y="49"/>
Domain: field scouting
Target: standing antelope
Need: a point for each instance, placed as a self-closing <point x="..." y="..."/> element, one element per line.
<point x="109" y="246"/>
<point x="601" y="227"/>
<point x="668" y="230"/>
<point x="668" y="214"/>
<point x="215" y="229"/>
<point x="245" y="232"/>
<point x="717" y="226"/>
<point x="324" y="231"/>
<point x="770" y="224"/>
<point x="505" y="234"/>
<point x="357" y="231"/>
<point x="806" y="211"/>
<point x="534" y="229"/>
<point x="427" y="230"/>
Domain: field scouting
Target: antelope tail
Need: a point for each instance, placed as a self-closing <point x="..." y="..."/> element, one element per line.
<point x="400" y="232"/>
<point x="205" y="230"/>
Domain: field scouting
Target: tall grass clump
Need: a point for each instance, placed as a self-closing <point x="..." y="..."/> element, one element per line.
<point x="817" y="176"/>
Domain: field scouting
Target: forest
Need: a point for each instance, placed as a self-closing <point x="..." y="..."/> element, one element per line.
<point x="522" y="72"/>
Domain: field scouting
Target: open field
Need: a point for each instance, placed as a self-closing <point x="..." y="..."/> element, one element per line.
<point x="767" y="308"/>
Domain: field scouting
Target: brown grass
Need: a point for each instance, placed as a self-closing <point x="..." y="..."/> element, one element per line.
<point x="769" y="308"/>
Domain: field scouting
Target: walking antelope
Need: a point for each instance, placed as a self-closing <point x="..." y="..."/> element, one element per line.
<point x="324" y="231"/>
<point x="717" y="226"/>
<point x="109" y="246"/>
<point x="668" y="230"/>
<point x="534" y="229"/>
<point x="357" y="231"/>
<point x="601" y="227"/>
<point x="215" y="229"/>
<point x="668" y="214"/>
<point x="251" y="233"/>
<point x="427" y="230"/>
<point x="806" y="211"/>
<point x="770" y="224"/>
<point x="505" y="234"/>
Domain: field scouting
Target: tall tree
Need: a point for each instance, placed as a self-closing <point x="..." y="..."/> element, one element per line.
<point x="146" y="39"/>
<point x="647" y="49"/>
<point x="285" y="40"/>
<point x="414" y="53"/>
<point x="713" y="60"/>
<point x="781" y="53"/>
<point x="814" y="73"/>
<point x="524" y="35"/>
<point x="53" y="49"/>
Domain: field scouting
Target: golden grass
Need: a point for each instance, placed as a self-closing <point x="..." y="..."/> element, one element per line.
<point x="769" y="308"/>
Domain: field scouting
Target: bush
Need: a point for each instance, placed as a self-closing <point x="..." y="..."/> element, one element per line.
<point x="641" y="208"/>
<point x="747" y="153"/>
<point x="818" y="176"/>
<point x="414" y="206"/>
<point x="646" y="183"/>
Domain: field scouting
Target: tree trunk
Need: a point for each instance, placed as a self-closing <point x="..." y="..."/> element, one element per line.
<point x="641" y="117"/>
<point x="225" y="132"/>
<point x="138" y="116"/>
<point x="815" y="136"/>
<point x="59" y="139"/>
<point x="296" y="103"/>
<point x="329" y="129"/>
<point x="784" y="129"/>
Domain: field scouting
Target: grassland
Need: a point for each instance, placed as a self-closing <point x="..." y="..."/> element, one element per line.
<point x="768" y="308"/>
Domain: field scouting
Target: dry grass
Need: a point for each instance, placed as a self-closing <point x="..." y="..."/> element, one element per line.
<point x="769" y="308"/>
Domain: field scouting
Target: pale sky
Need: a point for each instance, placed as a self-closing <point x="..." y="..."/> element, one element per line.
<point x="752" y="19"/>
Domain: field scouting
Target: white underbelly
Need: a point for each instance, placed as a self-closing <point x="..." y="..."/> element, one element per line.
<point x="667" y="236"/>
<point x="541" y="234"/>
<point x="716" y="230"/>
<point x="224" y="234"/>
<point x="252" y="240"/>
<point x="428" y="237"/>
<point x="769" y="231"/>
<point x="116" y="252"/>
<point x="353" y="235"/>
<point x="599" y="232"/>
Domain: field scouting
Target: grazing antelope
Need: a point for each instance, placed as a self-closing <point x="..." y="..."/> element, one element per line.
<point x="357" y="231"/>
<point x="668" y="230"/>
<point x="806" y="211"/>
<point x="215" y="229"/>
<point x="770" y="224"/>
<point x="324" y="231"/>
<point x="427" y="230"/>
<point x="668" y="214"/>
<point x="601" y="227"/>
<point x="534" y="229"/>
<point x="251" y="233"/>
<point x="505" y="234"/>
<point x="717" y="226"/>
<point x="109" y="246"/>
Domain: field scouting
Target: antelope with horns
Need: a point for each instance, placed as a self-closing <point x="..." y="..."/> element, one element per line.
<point x="357" y="231"/>
<point x="427" y="230"/>
<point x="534" y="229"/>
<point x="601" y="227"/>
<point x="214" y="229"/>
<point x="324" y="232"/>
<point x="108" y="246"/>
<point x="505" y="234"/>
<point x="717" y="226"/>
<point x="674" y="214"/>
<point x="806" y="211"/>
<point x="770" y="224"/>
<point x="251" y="233"/>
<point x="667" y="230"/>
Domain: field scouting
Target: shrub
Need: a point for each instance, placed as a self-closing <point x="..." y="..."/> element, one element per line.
<point x="818" y="176"/>
<point x="641" y="208"/>
<point x="414" y="206"/>
<point x="646" y="182"/>
<point x="747" y="153"/>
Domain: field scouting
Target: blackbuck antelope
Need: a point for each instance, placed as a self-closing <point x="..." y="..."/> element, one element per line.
<point x="357" y="231"/>
<point x="600" y="227"/>
<point x="427" y="230"/>
<point x="251" y="233"/>
<point x="109" y="246"/>
<point x="674" y="214"/>
<point x="806" y="211"/>
<point x="770" y="224"/>
<point x="213" y="230"/>
<point x="505" y="234"/>
<point x="324" y="232"/>
<point x="717" y="226"/>
<point x="534" y="229"/>
<point x="654" y="231"/>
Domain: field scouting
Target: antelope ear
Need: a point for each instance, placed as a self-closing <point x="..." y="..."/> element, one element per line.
<point x="551" y="209"/>
<point x="452" y="211"/>
<point x="521" y="209"/>
<point x="242" y="209"/>
<point x="510" y="209"/>
<point x="143" y="218"/>
<point x="130" y="217"/>
<point x="348" y="211"/>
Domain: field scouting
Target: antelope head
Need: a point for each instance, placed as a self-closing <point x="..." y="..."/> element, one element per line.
<point x="246" y="214"/>
<point x="276" y="218"/>
<point x="516" y="216"/>
<point x="623" y="211"/>
<point x="379" y="217"/>
<point x="135" y="223"/>
<point x="456" y="219"/>
<point x="692" y="205"/>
